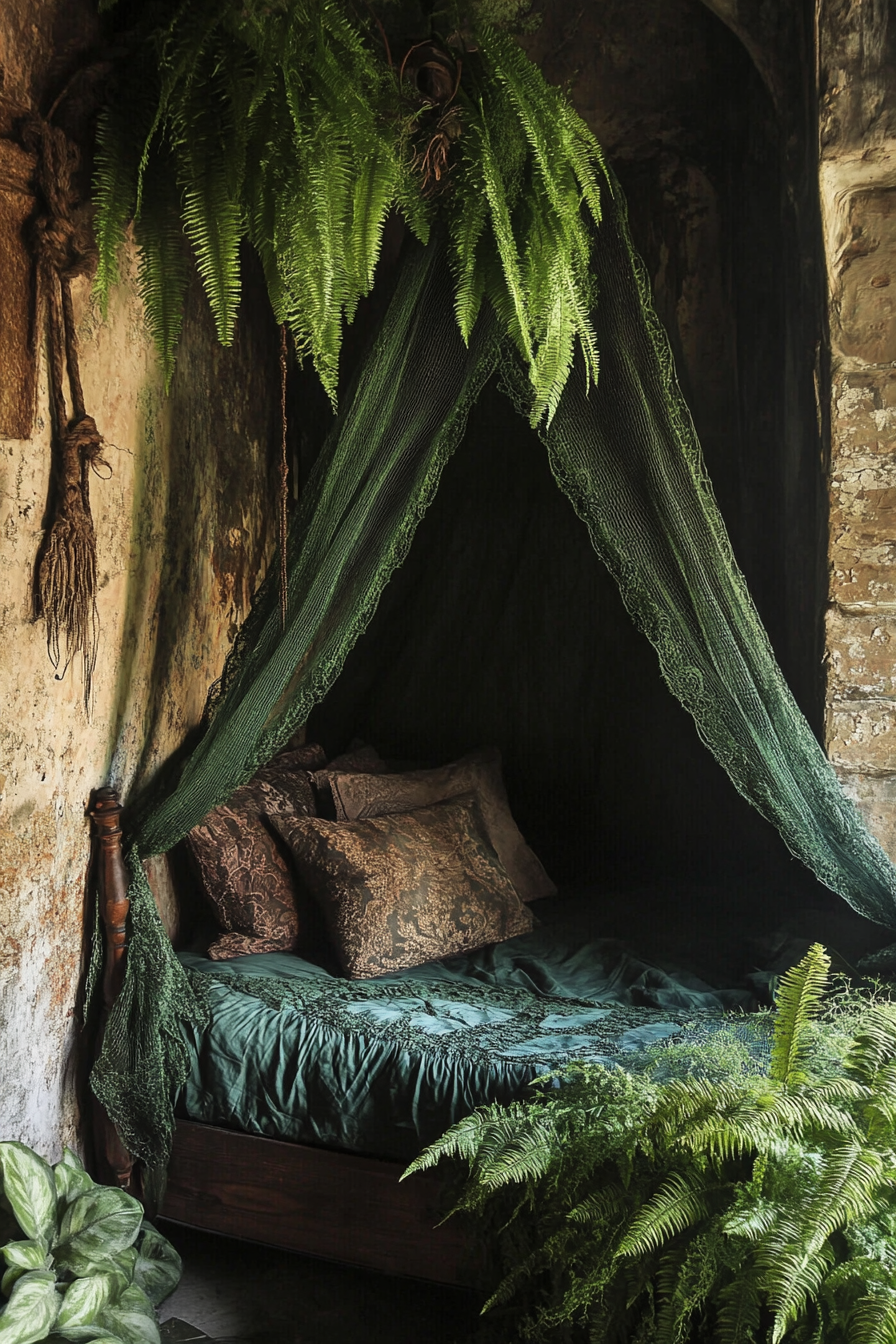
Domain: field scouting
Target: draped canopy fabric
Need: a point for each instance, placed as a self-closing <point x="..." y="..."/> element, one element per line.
<point x="626" y="455"/>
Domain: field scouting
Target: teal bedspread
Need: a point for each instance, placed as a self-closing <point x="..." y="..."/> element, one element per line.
<point x="384" y="1066"/>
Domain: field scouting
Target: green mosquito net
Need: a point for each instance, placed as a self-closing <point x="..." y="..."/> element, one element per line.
<point x="626" y="455"/>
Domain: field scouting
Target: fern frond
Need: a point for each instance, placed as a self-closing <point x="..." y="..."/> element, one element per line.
<point x="847" y="1191"/>
<point x="375" y="189"/>
<point x="874" y="1047"/>
<point x="798" y="1000"/>
<point x="181" y="45"/>
<point x="681" y="1202"/>
<point x="461" y="1142"/>
<point x="603" y="1206"/>
<point x="163" y="274"/>
<point x="686" y="1282"/>
<point x="212" y="214"/>
<point x="789" y="1296"/>
<point x="873" y="1319"/>
<point x="738" y="1309"/>
<point x="585" y="156"/>
<point x="114" y="194"/>
<point x="543" y="113"/>
<point x="496" y="195"/>
<point x="797" y="1255"/>
<point x="466" y="226"/>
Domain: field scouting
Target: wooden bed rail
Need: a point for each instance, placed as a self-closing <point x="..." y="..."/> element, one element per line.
<point x="115" y="1163"/>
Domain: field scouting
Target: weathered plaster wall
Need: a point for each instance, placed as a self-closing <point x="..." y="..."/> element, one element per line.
<point x="857" y="70"/>
<point x="183" y="533"/>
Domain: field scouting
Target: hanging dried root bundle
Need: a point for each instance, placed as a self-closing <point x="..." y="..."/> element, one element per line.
<point x="66" y="581"/>
<point x="67" y="572"/>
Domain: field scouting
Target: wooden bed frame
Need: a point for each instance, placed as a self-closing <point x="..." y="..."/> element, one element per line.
<point x="335" y="1205"/>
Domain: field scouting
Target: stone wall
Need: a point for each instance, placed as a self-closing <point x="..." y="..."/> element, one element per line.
<point x="857" y="63"/>
<point x="183" y="526"/>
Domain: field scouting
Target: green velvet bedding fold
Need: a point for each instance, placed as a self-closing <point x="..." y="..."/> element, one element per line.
<point x="384" y="1066"/>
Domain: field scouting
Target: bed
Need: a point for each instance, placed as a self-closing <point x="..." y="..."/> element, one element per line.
<point x="309" y="1092"/>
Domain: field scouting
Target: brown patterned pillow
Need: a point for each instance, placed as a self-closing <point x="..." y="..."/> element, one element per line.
<point x="357" y="796"/>
<point x="407" y="888"/>
<point x="245" y="875"/>
<point x="360" y="758"/>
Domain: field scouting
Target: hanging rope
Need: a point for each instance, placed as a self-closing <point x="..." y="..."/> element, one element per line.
<point x="64" y="250"/>
<point x="284" y="483"/>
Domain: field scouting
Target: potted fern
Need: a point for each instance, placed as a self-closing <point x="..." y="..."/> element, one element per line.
<point x="741" y="1190"/>
<point x="81" y="1264"/>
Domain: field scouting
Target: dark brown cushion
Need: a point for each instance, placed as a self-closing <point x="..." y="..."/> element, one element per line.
<point x="358" y="796"/>
<point x="407" y="888"/>
<point x="244" y="869"/>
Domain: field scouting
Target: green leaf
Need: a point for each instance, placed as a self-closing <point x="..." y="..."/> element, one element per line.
<point x="31" y="1311"/>
<point x="85" y="1299"/>
<point x="212" y="215"/>
<point x="82" y="1334"/>
<point x="798" y="1000"/>
<point x="158" y="1267"/>
<point x="164" y="267"/>
<point x="70" y="1177"/>
<point x="30" y="1189"/>
<point x="683" y="1200"/>
<point x="126" y="1262"/>
<point x="95" y="1226"/>
<point x="91" y="1334"/>
<point x="26" y="1254"/>
<point x="133" y="1318"/>
<point x="12" y="1275"/>
<point x="497" y="196"/>
<point x="115" y="190"/>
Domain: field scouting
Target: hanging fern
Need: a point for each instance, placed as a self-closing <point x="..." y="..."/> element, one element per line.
<point x="299" y="125"/>
<point x="727" y="1193"/>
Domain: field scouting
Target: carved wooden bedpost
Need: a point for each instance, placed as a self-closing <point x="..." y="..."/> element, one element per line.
<point x="112" y="894"/>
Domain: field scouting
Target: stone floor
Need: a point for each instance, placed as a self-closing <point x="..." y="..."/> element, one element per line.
<point x="239" y="1292"/>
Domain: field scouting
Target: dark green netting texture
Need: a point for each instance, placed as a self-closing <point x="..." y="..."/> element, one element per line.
<point x="375" y="476"/>
<point x="627" y="457"/>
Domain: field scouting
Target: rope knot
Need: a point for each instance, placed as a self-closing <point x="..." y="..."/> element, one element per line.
<point x="84" y="436"/>
<point x="60" y="235"/>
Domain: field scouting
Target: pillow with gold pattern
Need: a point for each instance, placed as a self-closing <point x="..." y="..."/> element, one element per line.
<point x="243" y="866"/>
<point x="358" y="796"/>
<point x="410" y="887"/>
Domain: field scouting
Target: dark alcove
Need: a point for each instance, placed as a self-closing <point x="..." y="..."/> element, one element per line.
<point x="502" y="627"/>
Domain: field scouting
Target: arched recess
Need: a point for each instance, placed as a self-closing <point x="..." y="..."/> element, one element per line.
<point x="502" y="627"/>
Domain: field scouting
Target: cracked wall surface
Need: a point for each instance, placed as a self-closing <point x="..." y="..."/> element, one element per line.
<point x="858" y="191"/>
<point x="183" y="534"/>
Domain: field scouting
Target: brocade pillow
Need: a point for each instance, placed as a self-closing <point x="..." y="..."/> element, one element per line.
<point x="243" y="870"/>
<point x="359" y="796"/>
<point x="407" y="888"/>
<point x="360" y="758"/>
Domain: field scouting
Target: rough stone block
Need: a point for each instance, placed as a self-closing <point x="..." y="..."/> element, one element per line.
<point x="861" y="656"/>
<point x="863" y="421"/>
<point x="861" y="736"/>
<point x="866" y="301"/>
<point x="863" y="505"/>
<point x="862" y="545"/>
<point x="876" y="800"/>
<point x="864" y="581"/>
